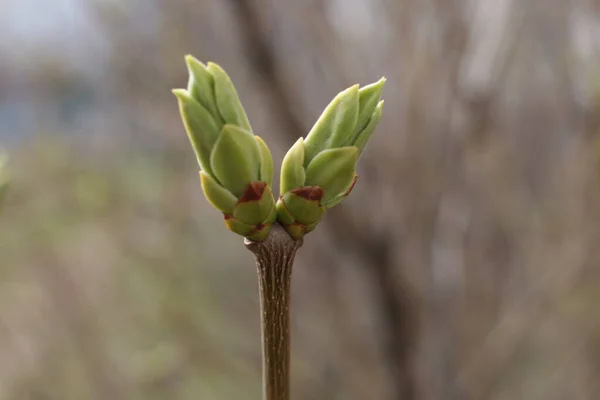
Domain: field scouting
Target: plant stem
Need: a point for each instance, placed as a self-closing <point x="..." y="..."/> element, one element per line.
<point x="274" y="261"/>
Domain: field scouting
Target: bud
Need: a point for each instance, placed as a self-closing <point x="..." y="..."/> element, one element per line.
<point x="266" y="162"/>
<point x="300" y="210"/>
<point x="292" y="168"/>
<point x="319" y="172"/>
<point x="236" y="167"/>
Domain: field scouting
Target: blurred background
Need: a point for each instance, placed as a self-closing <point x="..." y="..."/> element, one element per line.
<point x="465" y="265"/>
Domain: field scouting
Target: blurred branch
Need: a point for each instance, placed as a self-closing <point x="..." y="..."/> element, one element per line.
<point x="393" y="295"/>
<point x="76" y="315"/>
<point x="264" y="63"/>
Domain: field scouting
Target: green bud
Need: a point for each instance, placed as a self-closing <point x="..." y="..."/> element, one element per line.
<point x="254" y="214"/>
<point x="297" y="230"/>
<point x="292" y="167"/>
<point x="235" y="159"/>
<point x="333" y="171"/>
<point x="303" y="205"/>
<point x="200" y="126"/>
<point x="368" y="100"/>
<point x="220" y="198"/>
<point x="326" y="159"/>
<point x="266" y="161"/>
<point x="364" y="136"/>
<point x="257" y="232"/>
<point x="228" y="101"/>
<point x="236" y="166"/>
<point x="201" y="85"/>
<point x="299" y="211"/>
<point x="255" y="208"/>
<point x="320" y="136"/>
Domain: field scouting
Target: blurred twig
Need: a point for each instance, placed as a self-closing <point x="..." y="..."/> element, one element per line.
<point x="264" y="64"/>
<point x="76" y="315"/>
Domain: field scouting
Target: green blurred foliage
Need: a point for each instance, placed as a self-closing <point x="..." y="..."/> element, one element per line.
<point x="158" y="329"/>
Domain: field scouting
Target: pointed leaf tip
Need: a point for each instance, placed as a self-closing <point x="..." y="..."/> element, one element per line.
<point x="201" y="85"/>
<point x="368" y="99"/>
<point x="190" y="59"/>
<point x="180" y="92"/>
<point x="227" y="99"/>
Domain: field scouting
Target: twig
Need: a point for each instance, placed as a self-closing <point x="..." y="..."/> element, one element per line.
<point x="274" y="261"/>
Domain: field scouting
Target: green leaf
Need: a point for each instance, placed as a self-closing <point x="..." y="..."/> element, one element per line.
<point x="235" y="159"/>
<point x="292" y="168"/>
<point x="201" y="128"/>
<point x="228" y="101"/>
<point x="266" y="161"/>
<point x="319" y="137"/>
<point x="333" y="170"/>
<point x="368" y="100"/>
<point x="201" y="85"/>
<point x="346" y="116"/>
<point x="220" y="198"/>
<point x="364" y="136"/>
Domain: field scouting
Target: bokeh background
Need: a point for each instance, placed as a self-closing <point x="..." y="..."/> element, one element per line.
<point x="465" y="265"/>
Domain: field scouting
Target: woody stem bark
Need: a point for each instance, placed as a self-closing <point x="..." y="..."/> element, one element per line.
<point x="274" y="261"/>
